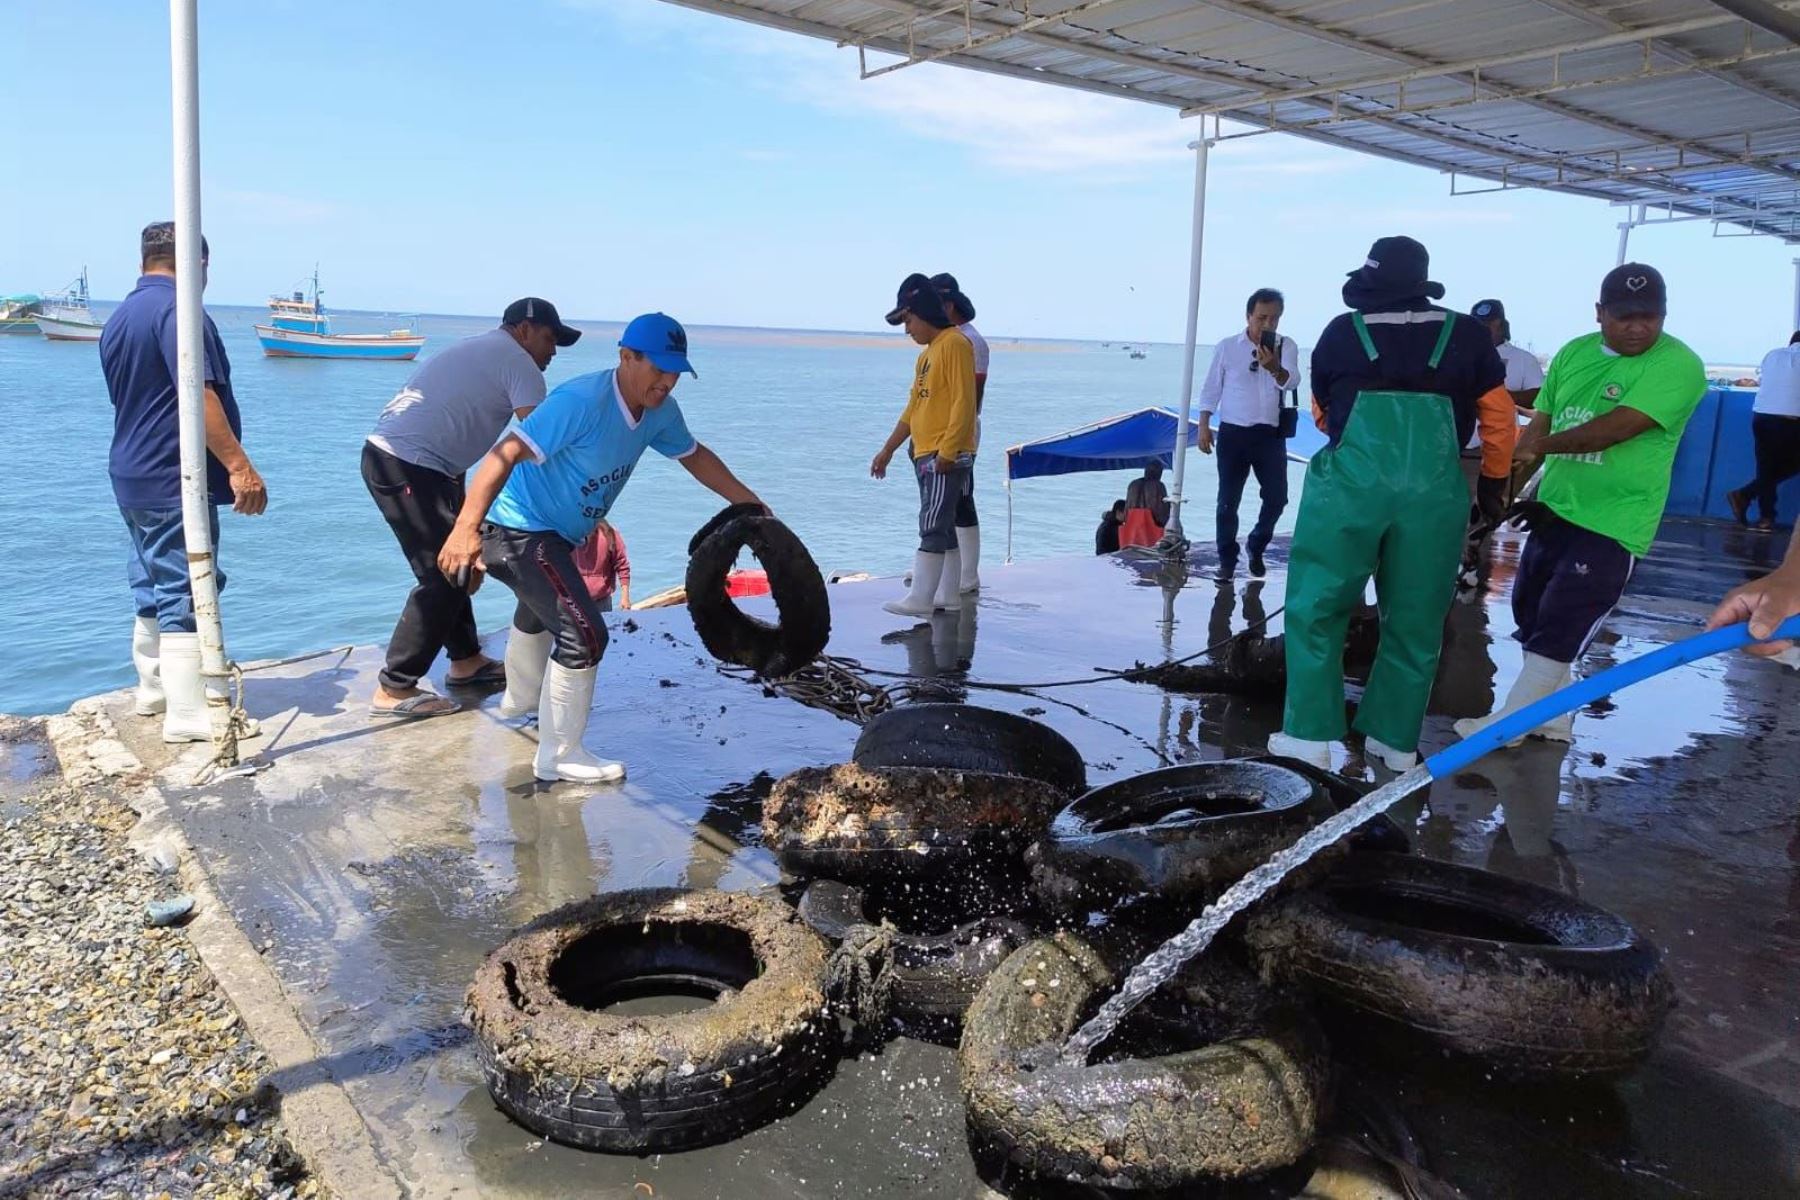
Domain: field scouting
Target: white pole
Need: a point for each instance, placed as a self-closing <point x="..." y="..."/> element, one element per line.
<point x="1172" y="537"/>
<point x="196" y="509"/>
<point x="1796" y="328"/>
<point x="1634" y="217"/>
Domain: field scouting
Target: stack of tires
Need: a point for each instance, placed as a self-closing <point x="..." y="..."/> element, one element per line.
<point x="909" y="859"/>
<point x="957" y="880"/>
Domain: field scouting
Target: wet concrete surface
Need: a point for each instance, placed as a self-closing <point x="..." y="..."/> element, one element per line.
<point x="378" y="862"/>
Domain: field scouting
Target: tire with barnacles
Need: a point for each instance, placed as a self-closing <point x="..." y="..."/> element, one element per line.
<point x="563" y="1067"/>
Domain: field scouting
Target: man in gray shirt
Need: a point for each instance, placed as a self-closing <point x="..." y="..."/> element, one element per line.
<point x="450" y="413"/>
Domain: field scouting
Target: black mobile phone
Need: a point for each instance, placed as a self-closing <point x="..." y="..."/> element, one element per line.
<point x="1270" y="339"/>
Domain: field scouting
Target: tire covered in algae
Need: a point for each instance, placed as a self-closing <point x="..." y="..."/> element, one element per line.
<point x="1231" y="1088"/>
<point x="1522" y="978"/>
<point x="565" y="1069"/>
<point x="911" y="977"/>
<point x="854" y="823"/>
<point x="967" y="737"/>
<point x="1179" y="832"/>
<point x="803" y="608"/>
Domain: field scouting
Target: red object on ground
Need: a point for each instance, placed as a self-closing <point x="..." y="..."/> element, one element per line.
<point x="747" y="583"/>
<point x="1140" y="529"/>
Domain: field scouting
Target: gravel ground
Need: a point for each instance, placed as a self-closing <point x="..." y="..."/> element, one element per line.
<point x="124" y="1071"/>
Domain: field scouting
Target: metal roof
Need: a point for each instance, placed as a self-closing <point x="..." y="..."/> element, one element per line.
<point x="1686" y="106"/>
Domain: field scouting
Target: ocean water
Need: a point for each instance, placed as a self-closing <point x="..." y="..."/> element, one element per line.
<point x="796" y="414"/>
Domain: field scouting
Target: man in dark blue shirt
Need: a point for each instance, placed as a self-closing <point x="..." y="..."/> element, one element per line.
<point x="138" y="355"/>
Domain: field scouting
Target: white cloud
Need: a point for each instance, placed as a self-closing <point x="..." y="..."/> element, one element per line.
<point x="1013" y="124"/>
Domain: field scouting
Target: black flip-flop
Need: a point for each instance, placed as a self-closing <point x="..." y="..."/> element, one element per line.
<point x="414" y="708"/>
<point x="492" y="675"/>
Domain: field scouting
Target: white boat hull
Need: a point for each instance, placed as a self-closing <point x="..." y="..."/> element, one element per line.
<point x="58" y="329"/>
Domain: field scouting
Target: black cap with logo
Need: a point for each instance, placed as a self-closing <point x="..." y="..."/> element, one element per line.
<point x="540" y="312"/>
<point x="1634" y="290"/>
<point x="918" y="297"/>
<point x="1488" y="310"/>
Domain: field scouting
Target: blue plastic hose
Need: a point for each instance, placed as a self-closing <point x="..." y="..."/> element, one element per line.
<point x="1586" y="691"/>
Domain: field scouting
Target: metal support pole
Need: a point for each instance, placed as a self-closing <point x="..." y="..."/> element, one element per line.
<point x="1173" y="541"/>
<point x="196" y="510"/>
<point x="1625" y="227"/>
<point x="1796" y="328"/>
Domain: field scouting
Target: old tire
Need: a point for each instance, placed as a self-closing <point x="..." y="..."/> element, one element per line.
<point x="720" y="520"/>
<point x="802" y="607"/>
<point x="921" y="977"/>
<point x="965" y="737"/>
<point x="1379" y="833"/>
<point x="1519" y="977"/>
<point x="856" y="823"/>
<point x="646" y="1084"/>
<point x="1238" y="1094"/>
<point x="1178" y="833"/>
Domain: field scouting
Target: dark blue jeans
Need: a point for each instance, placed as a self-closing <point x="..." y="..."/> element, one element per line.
<point x="1241" y="450"/>
<point x="157" y="566"/>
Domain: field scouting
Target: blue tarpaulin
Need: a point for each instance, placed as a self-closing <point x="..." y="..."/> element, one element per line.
<point x="1127" y="442"/>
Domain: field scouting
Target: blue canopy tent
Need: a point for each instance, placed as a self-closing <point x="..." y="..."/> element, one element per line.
<point x="1126" y="442"/>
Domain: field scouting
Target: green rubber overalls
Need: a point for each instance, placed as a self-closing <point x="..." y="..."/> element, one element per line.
<point x="1388" y="501"/>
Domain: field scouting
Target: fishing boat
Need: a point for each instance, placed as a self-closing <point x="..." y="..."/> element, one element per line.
<point x="299" y="328"/>
<point x="19" y="314"/>
<point x="66" y="317"/>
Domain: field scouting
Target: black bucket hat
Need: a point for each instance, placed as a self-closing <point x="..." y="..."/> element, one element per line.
<point x="1397" y="268"/>
<point x="951" y="291"/>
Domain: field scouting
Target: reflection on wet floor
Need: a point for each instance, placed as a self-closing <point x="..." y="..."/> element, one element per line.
<point x="381" y="862"/>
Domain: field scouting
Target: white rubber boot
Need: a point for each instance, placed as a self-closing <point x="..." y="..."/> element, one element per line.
<point x="968" y="540"/>
<point x="527" y="654"/>
<point x="1538" y="677"/>
<point x="1317" y="754"/>
<point x="947" y="594"/>
<point x="563" y="709"/>
<point x="1394" y="760"/>
<point x="145" y="642"/>
<point x="927" y="573"/>
<point x="188" y="717"/>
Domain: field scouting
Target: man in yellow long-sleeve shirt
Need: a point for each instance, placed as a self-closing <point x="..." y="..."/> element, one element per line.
<point x="940" y="420"/>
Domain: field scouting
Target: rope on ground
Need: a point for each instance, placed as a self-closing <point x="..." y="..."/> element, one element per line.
<point x="299" y="658"/>
<point x="834" y="685"/>
<point x="859" y="975"/>
<point x="1108" y="675"/>
<point x="841" y="685"/>
<point x="225" y="743"/>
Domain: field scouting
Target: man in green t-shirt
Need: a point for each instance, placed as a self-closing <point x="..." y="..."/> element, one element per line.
<point x="1615" y="404"/>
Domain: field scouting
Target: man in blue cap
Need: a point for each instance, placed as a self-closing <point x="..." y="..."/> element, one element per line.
<point x="539" y="493"/>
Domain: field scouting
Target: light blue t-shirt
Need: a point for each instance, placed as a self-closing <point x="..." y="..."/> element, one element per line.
<point x="584" y="447"/>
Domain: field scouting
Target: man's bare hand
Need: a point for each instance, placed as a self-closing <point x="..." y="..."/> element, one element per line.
<point x="1269" y="359"/>
<point x="1765" y="603"/>
<point x="461" y="555"/>
<point x="879" y="465"/>
<point x="1206" y="438"/>
<point x="249" y="495"/>
<point x="946" y="463"/>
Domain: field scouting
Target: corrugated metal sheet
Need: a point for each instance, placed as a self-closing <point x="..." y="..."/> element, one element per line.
<point x="1667" y="102"/>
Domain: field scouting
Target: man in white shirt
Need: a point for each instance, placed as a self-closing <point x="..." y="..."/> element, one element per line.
<point x="449" y="413"/>
<point x="1524" y="378"/>
<point x="1243" y="387"/>
<point x="1775" y="422"/>
<point x="1524" y="374"/>
<point x="968" y="526"/>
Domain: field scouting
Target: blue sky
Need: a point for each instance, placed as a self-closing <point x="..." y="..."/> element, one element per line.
<point x="623" y="155"/>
